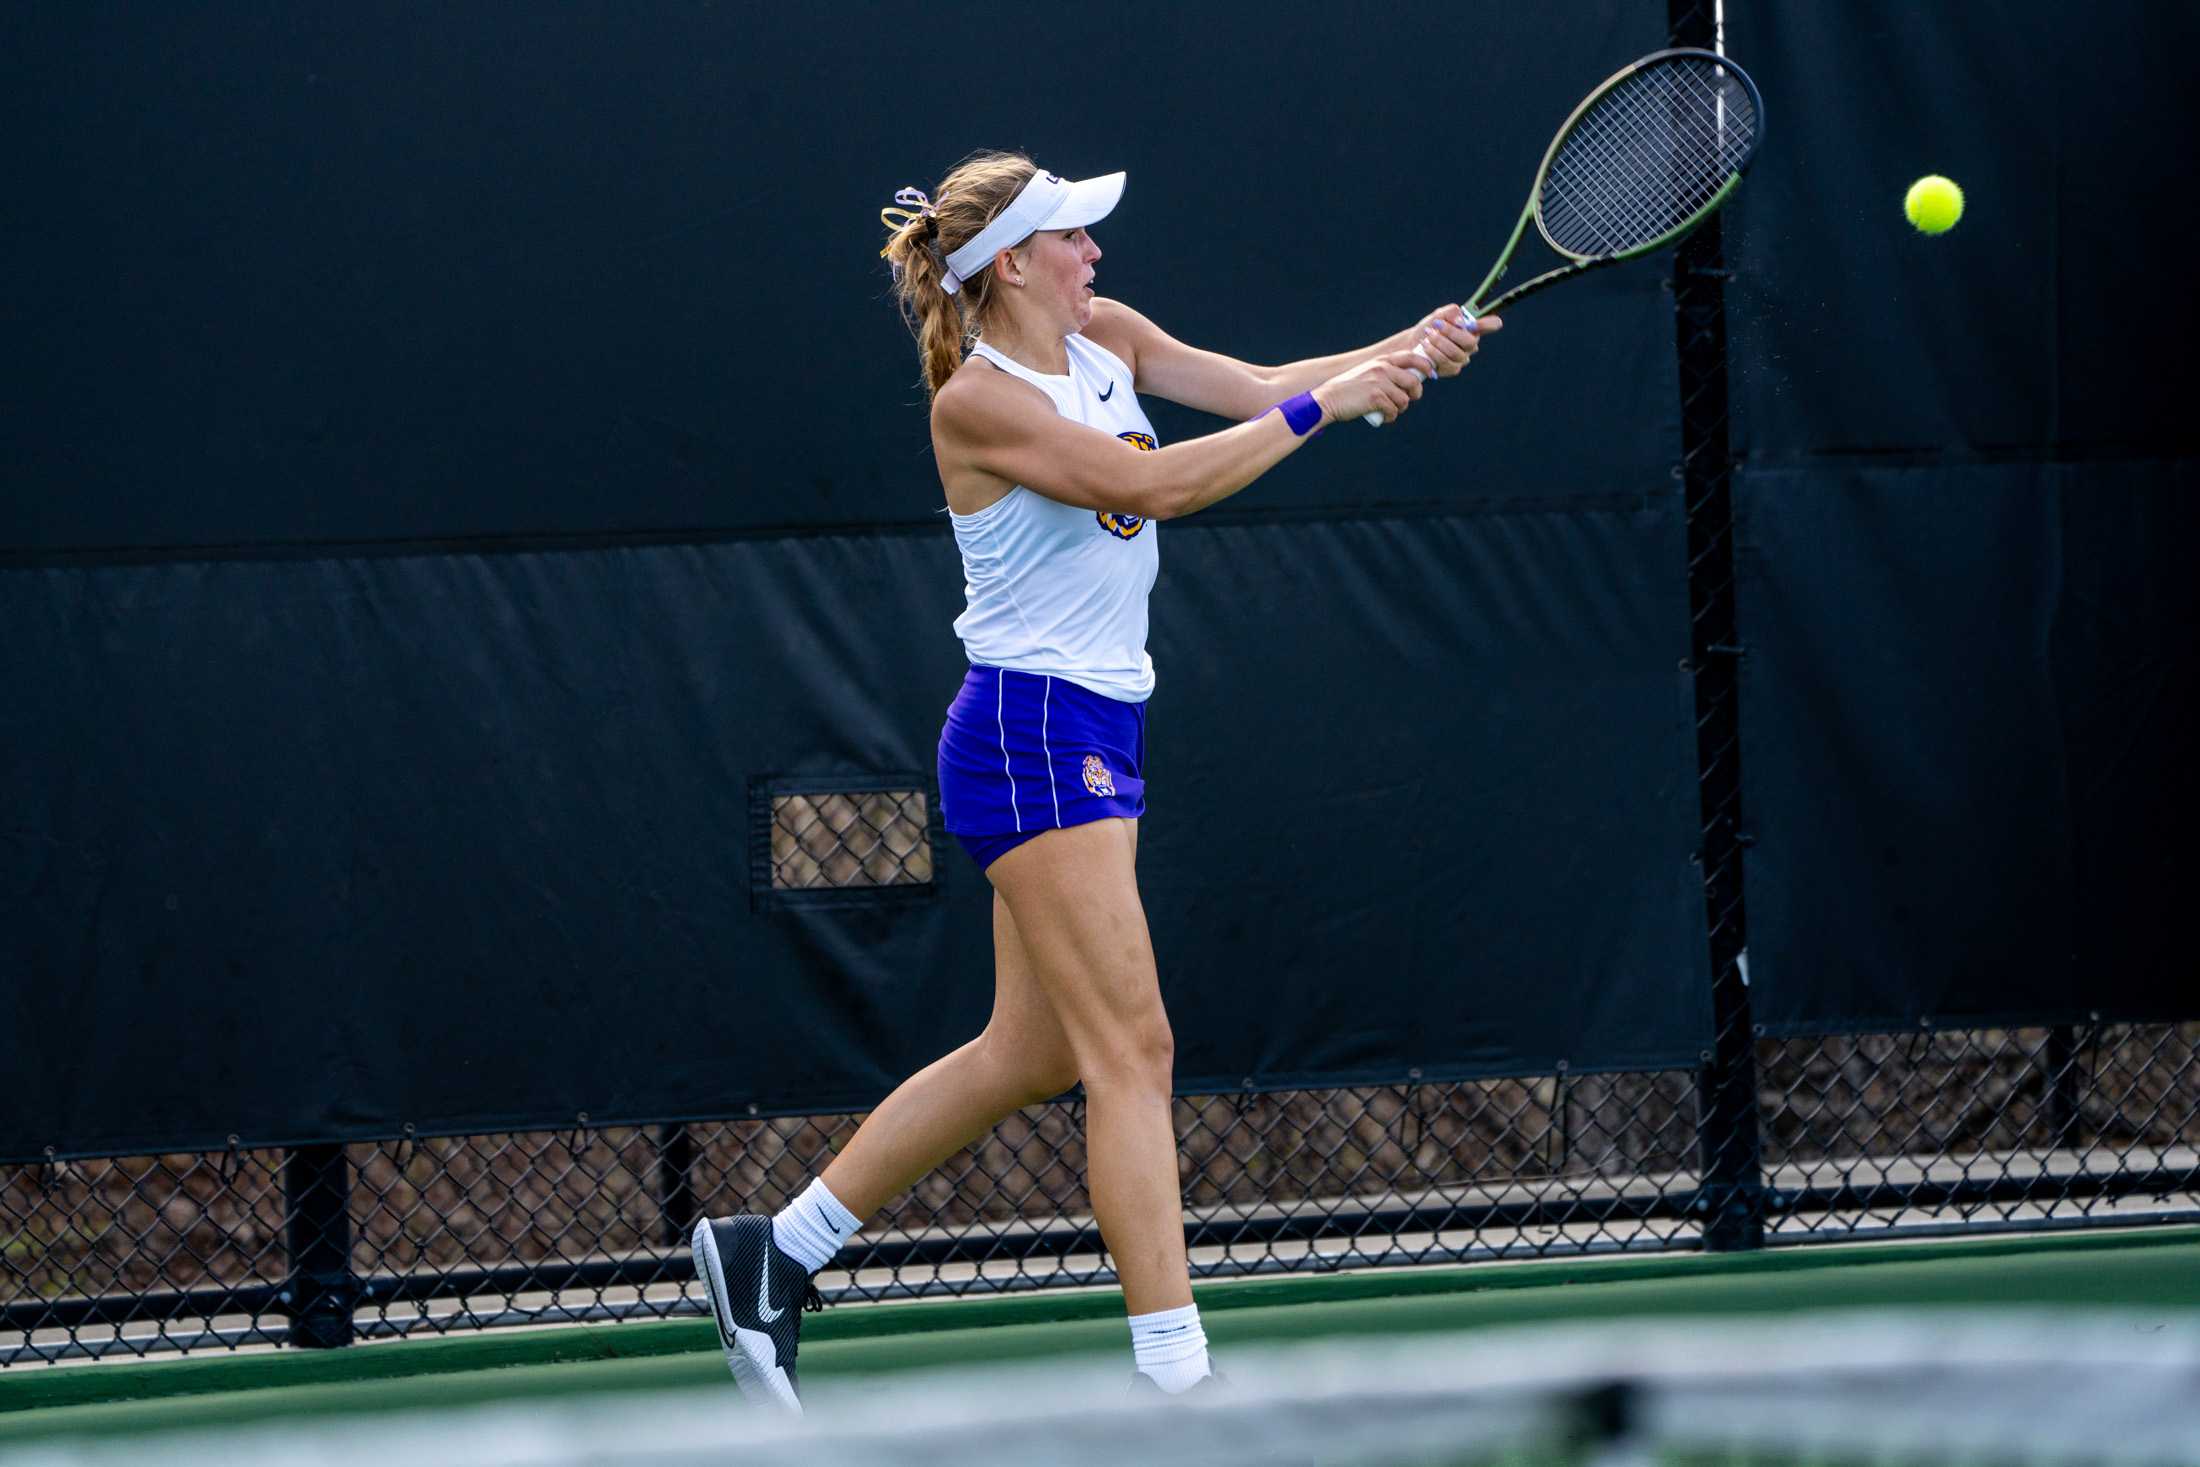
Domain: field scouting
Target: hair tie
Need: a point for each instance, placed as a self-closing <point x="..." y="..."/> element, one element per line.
<point x="916" y="209"/>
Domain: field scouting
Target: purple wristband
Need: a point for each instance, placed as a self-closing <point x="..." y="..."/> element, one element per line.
<point x="1301" y="412"/>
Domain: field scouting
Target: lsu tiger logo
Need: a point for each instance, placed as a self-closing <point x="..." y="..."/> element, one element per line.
<point x="1127" y="526"/>
<point x="1098" y="779"/>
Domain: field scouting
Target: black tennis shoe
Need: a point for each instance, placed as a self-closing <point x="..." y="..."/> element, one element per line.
<point x="757" y="1295"/>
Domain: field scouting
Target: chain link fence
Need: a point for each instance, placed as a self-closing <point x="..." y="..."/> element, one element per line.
<point x="1862" y="1136"/>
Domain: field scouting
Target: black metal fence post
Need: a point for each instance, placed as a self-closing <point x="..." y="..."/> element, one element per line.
<point x="675" y="1184"/>
<point x="321" y="1291"/>
<point x="1732" y="1200"/>
<point x="2063" y="1105"/>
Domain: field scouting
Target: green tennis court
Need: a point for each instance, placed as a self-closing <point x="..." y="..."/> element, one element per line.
<point x="2152" y="1274"/>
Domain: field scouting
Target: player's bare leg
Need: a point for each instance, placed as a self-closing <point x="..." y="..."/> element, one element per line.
<point x="754" y="1269"/>
<point x="1021" y="1059"/>
<point x="1074" y="893"/>
<point x="1075" y="897"/>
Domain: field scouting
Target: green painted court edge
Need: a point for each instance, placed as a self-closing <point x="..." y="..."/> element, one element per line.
<point x="35" y="1387"/>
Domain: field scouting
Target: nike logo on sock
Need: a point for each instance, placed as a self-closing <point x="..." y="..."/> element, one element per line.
<point x="1109" y="393"/>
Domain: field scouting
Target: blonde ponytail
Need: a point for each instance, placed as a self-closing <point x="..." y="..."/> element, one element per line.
<point x="923" y="234"/>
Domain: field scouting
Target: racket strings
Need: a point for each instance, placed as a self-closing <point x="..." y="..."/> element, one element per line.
<point x="1648" y="156"/>
<point x="1642" y="161"/>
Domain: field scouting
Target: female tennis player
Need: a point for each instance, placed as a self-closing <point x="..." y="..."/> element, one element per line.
<point x="1056" y="486"/>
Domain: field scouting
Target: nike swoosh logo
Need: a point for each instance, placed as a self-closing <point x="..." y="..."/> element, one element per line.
<point x="1109" y="393"/>
<point x="764" y="1310"/>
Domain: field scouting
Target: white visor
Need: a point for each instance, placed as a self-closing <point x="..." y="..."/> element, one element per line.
<point x="1047" y="202"/>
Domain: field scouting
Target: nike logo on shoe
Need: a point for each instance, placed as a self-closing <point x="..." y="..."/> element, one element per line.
<point x="1109" y="393"/>
<point x="764" y="1310"/>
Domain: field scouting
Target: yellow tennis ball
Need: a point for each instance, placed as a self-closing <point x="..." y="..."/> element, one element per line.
<point x="1934" y="204"/>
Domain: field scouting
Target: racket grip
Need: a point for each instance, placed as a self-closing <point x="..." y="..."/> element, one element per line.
<point x="1375" y="420"/>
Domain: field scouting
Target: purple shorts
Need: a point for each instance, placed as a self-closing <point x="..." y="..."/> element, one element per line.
<point x="1025" y="752"/>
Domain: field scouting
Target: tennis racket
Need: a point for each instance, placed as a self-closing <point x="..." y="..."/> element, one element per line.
<point x="1649" y="155"/>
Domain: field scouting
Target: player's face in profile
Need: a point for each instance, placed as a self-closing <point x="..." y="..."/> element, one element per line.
<point x="1059" y="268"/>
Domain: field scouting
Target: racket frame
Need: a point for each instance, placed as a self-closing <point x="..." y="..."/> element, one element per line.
<point x="1580" y="264"/>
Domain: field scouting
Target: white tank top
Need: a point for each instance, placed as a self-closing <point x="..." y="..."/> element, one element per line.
<point x="1053" y="588"/>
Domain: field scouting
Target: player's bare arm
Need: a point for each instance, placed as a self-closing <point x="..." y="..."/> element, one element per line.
<point x="991" y="431"/>
<point x="1214" y="383"/>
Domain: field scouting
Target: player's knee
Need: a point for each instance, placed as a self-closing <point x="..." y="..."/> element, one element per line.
<point x="1138" y="1053"/>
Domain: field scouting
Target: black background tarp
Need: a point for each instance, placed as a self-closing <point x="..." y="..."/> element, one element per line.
<point x="328" y="847"/>
<point x="1966" y="518"/>
<point x="460" y="456"/>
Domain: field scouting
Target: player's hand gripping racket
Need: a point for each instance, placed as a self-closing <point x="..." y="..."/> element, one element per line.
<point x="1648" y="156"/>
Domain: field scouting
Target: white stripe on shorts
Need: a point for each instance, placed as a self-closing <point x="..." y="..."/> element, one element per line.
<point x="1049" y="753"/>
<point x="1000" y="691"/>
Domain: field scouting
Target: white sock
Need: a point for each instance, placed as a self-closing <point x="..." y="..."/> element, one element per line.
<point x="811" y="1228"/>
<point x="1171" y="1348"/>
